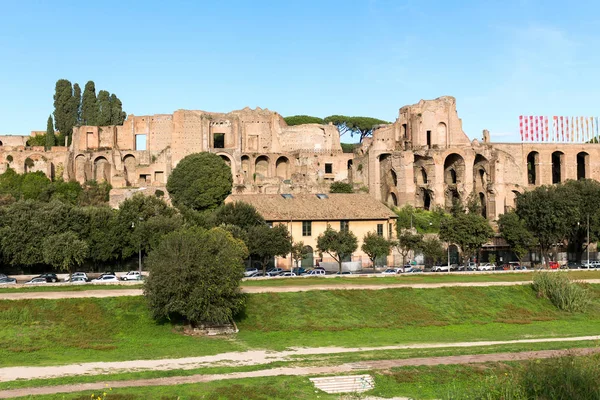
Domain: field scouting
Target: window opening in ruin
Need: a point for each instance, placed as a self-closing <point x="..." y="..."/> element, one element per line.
<point x="428" y="139"/>
<point x="404" y="131"/>
<point x="349" y="161"/>
<point x="390" y="231"/>
<point x="140" y="142"/>
<point x="483" y="205"/>
<point x="0" y="143"/>
<point x="424" y="175"/>
<point x="394" y="178"/>
<point x="144" y="178"/>
<point x="581" y="168"/>
<point x="556" y="167"/>
<point x="328" y="168"/>
<point x="344" y="225"/>
<point x="532" y="168"/>
<point x="482" y="176"/>
<point x="392" y="200"/>
<point x="89" y="140"/>
<point x="379" y="229"/>
<point x="219" y="141"/>
<point x="159" y="176"/>
<point x="453" y="176"/>
<point x="426" y="200"/>
<point x="306" y="228"/>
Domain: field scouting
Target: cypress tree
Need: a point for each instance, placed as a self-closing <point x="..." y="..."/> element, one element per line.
<point x="76" y="105"/>
<point x="63" y="100"/>
<point x="104" y="108"/>
<point x="117" y="115"/>
<point x="89" y="105"/>
<point x="50" y="139"/>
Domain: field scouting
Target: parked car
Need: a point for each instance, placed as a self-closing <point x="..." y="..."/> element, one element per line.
<point x="49" y="277"/>
<point x="287" y="273"/>
<point x="486" y="267"/>
<point x="587" y="265"/>
<point x="36" y="281"/>
<point x="554" y="265"/>
<point x="77" y="275"/>
<point x="106" y="273"/>
<point x="274" y="271"/>
<point x="299" y="270"/>
<point x="344" y="273"/>
<point x="78" y="280"/>
<point x="132" y="276"/>
<point x="7" y="281"/>
<point x="315" y="272"/>
<point x="392" y="271"/>
<point x="250" y="272"/>
<point x="440" y="268"/>
<point x="412" y="270"/>
<point x="520" y="268"/>
<point x="106" y="279"/>
<point x="573" y="265"/>
<point x="2" y="276"/>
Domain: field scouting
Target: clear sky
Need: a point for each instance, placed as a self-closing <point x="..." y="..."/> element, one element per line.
<point x="500" y="59"/>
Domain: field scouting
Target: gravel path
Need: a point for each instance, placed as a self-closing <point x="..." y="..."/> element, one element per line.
<point x="236" y="359"/>
<point x="299" y="371"/>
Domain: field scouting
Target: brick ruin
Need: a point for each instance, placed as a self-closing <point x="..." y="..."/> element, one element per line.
<point x="424" y="158"/>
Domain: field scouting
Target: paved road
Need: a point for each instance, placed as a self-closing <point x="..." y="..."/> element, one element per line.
<point x="299" y="371"/>
<point x="261" y="289"/>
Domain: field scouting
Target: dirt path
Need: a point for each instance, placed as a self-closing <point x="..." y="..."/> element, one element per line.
<point x="236" y="359"/>
<point x="299" y="371"/>
<point x="260" y="289"/>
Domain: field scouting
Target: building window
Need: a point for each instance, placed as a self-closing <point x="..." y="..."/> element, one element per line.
<point x="390" y="232"/>
<point x="306" y="228"/>
<point x="328" y="168"/>
<point x="379" y="229"/>
<point x="344" y="226"/>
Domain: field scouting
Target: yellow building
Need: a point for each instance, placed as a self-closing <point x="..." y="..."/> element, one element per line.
<point x="307" y="216"/>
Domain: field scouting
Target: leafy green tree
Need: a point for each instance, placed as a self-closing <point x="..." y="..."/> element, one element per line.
<point x="33" y="185"/>
<point x="361" y="126"/>
<point x="349" y="147"/>
<point x="195" y="275"/>
<point x="375" y="246"/>
<point x="149" y="233"/>
<point x="468" y="231"/>
<point x="549" y="213"/>
<point x="64" y="251"/>
<point x="37" y="140"/>
<point x="338" y="244"/>
<point x="303" y="119"/>
<point x="433" y="250"/>
<point x="422" y="220"/>
<point x="94" y="194"/>
<point x="66" y="107"/>
<point x="298" y="252"/>
<point x="102" y="234"/>
<point x="516" y="234"/>
<point x="586" y="196"/>
<point x="240" y="214"/>
<point x="50" y="138"/>
<point x="341" y="187"/>
<point x="104" y="116"/>
<point x="10" y="183"/>
<point x="408" y="241"/>
<point x="200" y="181"/>
<point x="265" y="242"/>
<point x="117" y="115"/>
<point x="89" y="105"/>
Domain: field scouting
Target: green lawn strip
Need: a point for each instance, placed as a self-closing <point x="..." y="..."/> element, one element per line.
<point x="65" y="331"/>
<point x="276" y="388"/>
<point x="67" y="288"/>
<point x="412" y="278"/>
<point x="312" y="360"/>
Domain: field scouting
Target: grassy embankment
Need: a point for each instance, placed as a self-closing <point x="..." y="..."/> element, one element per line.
<point x="49" y="332"/>
<point x="552" y="378"/>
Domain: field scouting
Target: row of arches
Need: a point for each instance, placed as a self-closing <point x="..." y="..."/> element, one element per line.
<point x="557" y="169"/>
<point x="262" y="167"/>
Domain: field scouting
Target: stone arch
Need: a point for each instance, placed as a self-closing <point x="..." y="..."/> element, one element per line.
<point x="424" y="199"/>
<point x="451" y="197"/>
<point x="515" y="194"/>
<point x="129" y="166"/>
<point x="583" y="165"/>
<point x="394" y="177"/>
<point x="454" y="169"/>
<point x="261" y="166"/>
<point x="226" y="159"/>
<point x="101" y="170"/>
<point x="1" y="144"/>
<point x="282" y="167"/>
<point x="442" y="130"/>
<point x="533" y="168"/>
<point x="392" y="199"/>
<point x="483" y="202"/>
<point x="245" y="165"/>
<point x="558" y="166"/>
<point x="480" y="172"/>
<point x="349" y="164"/>
<point x="80" y="169"/>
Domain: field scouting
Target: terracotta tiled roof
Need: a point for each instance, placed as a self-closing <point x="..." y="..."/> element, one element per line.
<point x="309" y="207"/>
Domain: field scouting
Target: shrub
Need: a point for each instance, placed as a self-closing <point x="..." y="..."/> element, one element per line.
<point x="565" y="294"/>
<point x="9" y="158"/>
<point x="340" y="187"/>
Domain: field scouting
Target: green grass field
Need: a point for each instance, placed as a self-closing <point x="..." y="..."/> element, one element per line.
<point x="49" y="332"/>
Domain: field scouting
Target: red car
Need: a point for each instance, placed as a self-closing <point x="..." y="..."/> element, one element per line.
<point x="553" y="264"/>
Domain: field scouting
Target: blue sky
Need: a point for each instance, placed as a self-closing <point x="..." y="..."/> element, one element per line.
<point x="500" y="59"/>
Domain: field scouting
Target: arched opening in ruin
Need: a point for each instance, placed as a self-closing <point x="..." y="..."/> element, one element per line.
<point x="101" y="170"/>
<point x="394" y="177"/>
<point x="1" y="144"/>
<point x="582" y="165"/>
<point x="392" y="200"/>
<point x="385" y="176"/>
<point x="483" y="203"/>
<point x="515" y="196"/>
<point x="480" y="174"/>
<point x="404" y="131"/>
<point x="226" y="159"/>
<point x="441" y="132"/>
<point x="557" y="166"/>
<point x="533" y="164"/>
<point x="218" y="140"/>
<point x="80" y="175"/>
<point x="261" y="167"/>
<point x="424" y="175"/>
<point x="245" y="165"/>
<point x="454" y="169"/>
<point x="129" y="165"/>
<point x="452" y="198"/>
<point x="349" y="164"/>
<point x="282" y="168"/>
<point x="423" y="199"/>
